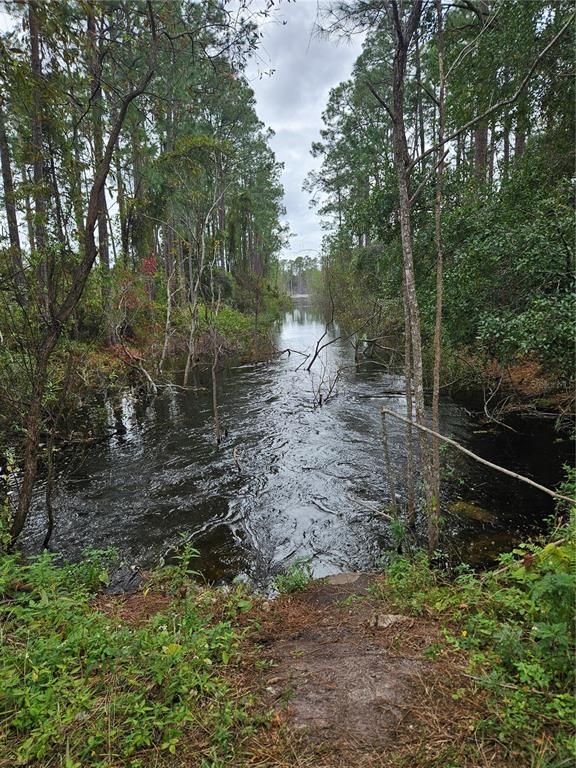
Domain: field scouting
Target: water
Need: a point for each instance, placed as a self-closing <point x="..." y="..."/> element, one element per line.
<point x="311" y="479"/>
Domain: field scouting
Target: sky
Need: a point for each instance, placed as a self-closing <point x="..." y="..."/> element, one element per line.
<point x="291" y="101"/>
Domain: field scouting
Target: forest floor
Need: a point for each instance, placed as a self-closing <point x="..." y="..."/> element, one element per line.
<point x="411" y="669"/>
<point x="348" y="684"/>
<point x="354" y="682"/>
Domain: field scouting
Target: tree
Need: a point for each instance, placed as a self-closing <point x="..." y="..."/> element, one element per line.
<point x="452" y="179"/>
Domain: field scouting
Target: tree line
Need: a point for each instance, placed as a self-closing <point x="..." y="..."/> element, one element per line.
<point x="445" y="186"/>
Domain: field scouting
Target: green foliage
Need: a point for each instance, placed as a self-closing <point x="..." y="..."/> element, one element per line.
<point x="516" y="627"/>
<point x="507" y="193"/>
<point x="297" y="577"/>
<point x="85" y="688"/>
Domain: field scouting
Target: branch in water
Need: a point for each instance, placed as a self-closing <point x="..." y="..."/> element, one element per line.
<point x="475" y="456"/>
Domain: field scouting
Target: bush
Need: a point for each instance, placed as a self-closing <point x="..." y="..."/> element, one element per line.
<point x="516" y="626"/>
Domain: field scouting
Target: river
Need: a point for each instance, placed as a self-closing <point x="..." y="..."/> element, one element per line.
<point x="289" y="479"/>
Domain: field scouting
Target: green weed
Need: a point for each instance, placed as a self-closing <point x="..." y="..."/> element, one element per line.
<point x="81" y="688"/>
<point x="515" y="624"/>
<point x="296" y="578"/>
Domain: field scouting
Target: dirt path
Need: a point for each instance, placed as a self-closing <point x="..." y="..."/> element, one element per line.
<point x="352" y="683"/>
<point x="356" y="682"/>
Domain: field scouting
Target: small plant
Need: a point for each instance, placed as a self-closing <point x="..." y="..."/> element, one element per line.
<point x="178" y="574"/>
<point x="398" y="531"/>
<point x="296" y="578"/>
<point x="82" y="688"/>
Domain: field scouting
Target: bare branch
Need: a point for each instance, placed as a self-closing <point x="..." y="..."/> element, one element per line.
<point x="475" y="456"/>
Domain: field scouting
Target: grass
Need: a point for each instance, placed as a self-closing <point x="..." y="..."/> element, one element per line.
<point x="296" y="578"/>
<point x="514" y="628"/>
<point x="82" y="688"/>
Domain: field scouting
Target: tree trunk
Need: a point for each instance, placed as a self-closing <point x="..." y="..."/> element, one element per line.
<point x="33" y="422"/>
<point x="506" y="149"/>
<point x="401" y="161"/>
<point x="221" y="218"/>
<point x="170" y="289"/>
<point x="408" y="388"/>
<point x="491" y="152"/>
<point x="49" y="490"/>
<point x="419" y="101"/>
<point x="10" y="207"/>
<point x="28" y="208"/>
<point x="434" y="515"/>
<point x="122" y="210"/>
<point x="404" y="35"/>
<point x="97" y="109"/>
<point x="480" y="150"/>
<point x="38" y="156"/>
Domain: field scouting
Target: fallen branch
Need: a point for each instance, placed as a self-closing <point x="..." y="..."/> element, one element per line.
<point x="475" y="456"/>
<point x="289" y="351"/>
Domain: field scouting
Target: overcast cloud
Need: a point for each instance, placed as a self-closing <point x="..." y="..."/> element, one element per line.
<point x="291" y="102"/>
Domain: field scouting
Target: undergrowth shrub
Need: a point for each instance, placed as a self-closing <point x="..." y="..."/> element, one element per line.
<point x="516" y="626"/>
<point x="83" y="688"/>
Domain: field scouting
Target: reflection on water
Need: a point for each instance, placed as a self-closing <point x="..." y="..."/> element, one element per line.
<point x="311" y="479"/>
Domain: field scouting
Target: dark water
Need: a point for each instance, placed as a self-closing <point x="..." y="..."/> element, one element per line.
<point x="311" y="481"/>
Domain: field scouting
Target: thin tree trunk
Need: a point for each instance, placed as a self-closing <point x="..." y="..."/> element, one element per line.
<point x="506" y="150"/>
<point x="33" y="422"/>
<point x="389" y="469"/>
<point x="480" y="149"/>
<point x="28" y="208"/>
<point x="40" y="236"/>
<point x="404" y="35"/>
<point x="97" y="109"/>
<point x="10" y="206"/>
<point x="122" y="210"/>
<point x="169" y="265"/>
<point x="491" y="152"/>
<point x="182" y="287"/>
<point x="408" y="388"/>
<point x="419" y="100"/>
<point x="49" y="490"/>
<point x="222" y="218"/>
<point x="215" y="354"/>
<point x="401" y="161"/>
<point x="434" y="516"/>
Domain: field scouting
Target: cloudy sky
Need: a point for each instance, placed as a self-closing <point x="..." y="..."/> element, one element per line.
<point x="291" y="101"/>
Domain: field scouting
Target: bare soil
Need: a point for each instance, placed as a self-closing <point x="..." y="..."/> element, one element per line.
<point x="355" y="686"/>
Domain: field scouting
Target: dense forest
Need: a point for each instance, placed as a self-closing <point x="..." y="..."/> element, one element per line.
<point x="271" y="506"/>
<point x="489" y="127"/>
